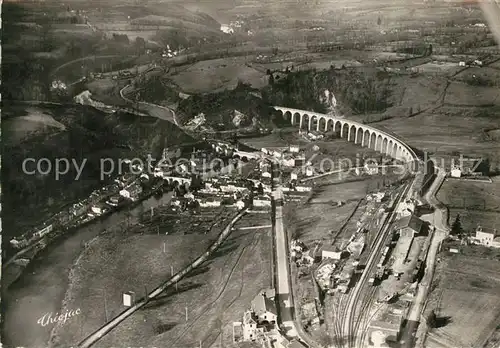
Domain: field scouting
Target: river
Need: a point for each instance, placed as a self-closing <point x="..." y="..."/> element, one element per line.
<point x="42" y="286"/>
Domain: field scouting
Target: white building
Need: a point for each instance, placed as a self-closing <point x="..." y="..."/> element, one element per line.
<point x="277" y="154"/>
<point x="264" y="308"/>
<point x="315" y="135"/>
<point x="487" y="238"/>
<point x="330" y="253"/>
<point x="239" y="204"/>
<point x="262" y="201"/>
<point x="294" y="148"/>
<point x="96" y="210"/>
<point x="226" y="29"/>
<point x="210" y="202"/>
<point x="371" y="168"/>
<point x="288" y="161"/>
<point x="303" y="188"/>
<point x="129" y="299"/>
<point x="455" y="172"/>
<point x="266" y="174"/>
<point x="309" y="171"/>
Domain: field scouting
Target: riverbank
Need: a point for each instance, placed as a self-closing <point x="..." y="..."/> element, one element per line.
<point x="44" y="282"/>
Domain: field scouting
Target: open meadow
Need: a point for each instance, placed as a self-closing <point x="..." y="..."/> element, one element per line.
<point x="215" y="295"/>
<point x="465" y="298"/>
<point x="217" y="75"/>
<point x="477" y="203"/>
<point x="137" y="261"/>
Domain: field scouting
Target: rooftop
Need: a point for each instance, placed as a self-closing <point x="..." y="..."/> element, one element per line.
<point x="262" y="304"/>
<point x="410" y="221"/>
<point x="388" y="322"/>
<point x="487" y="230"/>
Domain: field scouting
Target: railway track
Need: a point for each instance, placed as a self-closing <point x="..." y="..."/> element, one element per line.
<point x="361" y="292"/>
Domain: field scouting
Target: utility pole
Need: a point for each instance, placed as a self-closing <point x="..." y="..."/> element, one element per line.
<point x="105" y="306"/>
<point x="171" y="271"/>
<point x="186" y="313"/>
<point x="164" y="251"/>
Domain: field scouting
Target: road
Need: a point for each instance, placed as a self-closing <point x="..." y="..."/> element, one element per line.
<point x="154" y="110"/>
<point x="439" y="220"/>
<point x="103" y="330"/>
<point x="350" y="326"/>
<point x="283" y="276"/>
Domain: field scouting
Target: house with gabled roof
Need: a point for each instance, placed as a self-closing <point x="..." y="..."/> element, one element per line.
<point x="409" y="226"/>
<point x="264" y="308"/>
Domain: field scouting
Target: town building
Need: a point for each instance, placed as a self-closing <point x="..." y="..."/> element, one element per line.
<point x="315" y="135"/>
<point x="456" y="172"/>
<point x="210" y="202"/>
<point x="371" y="168"/>
<point x="96" y="210"/>
<point x="406" y="208"/>
<point x="264" y="308"/>
<point x="44" y="231"/>
<point x="129" y="299"/>
<point x="303" y="187"/>
<point x="78" y="209"/>
<point x="329" y="252"/>
<point x="294" y="148"/>
<point x="262" y="201"/>
<point x="266" y="174"/>
<point x="409" y="226"/>
<point x="487" y="237"/>
<point x="250" y="329"/>
<point x="288" y="160"/>
<point x="389" y="325"/>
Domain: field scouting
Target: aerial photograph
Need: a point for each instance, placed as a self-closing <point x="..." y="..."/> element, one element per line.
<point x="250" y="173"/>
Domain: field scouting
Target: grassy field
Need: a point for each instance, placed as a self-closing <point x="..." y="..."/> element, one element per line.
<point x="463" y="94"/>
<point x="465" y="296"/>
<point x="217" y="75"/>
<point x="476" y="203"/>
<point x="215" y="295"/>
<point x="138" y="261"/>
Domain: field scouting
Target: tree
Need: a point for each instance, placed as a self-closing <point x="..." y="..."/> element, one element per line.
<point x="456" y="227"/>
<point x="379" y="21"/>
<point x="432" y="320"/>
<point x="271" y="79"/>
<point x="260" y="189"/>
<point x="410" y="111"/>
<point x="140" y="45"/>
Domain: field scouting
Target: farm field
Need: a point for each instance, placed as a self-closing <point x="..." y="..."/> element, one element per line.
<point x="487" y="74"/>
<point x="446" y="130"/>
<point x="462" y="94"/>
<point x="215" y="295"/>
<point x="217" y="75"/>
<point x="117" y="262"/>
<point x="466" y="296"/>
<point x="476" y="203"/>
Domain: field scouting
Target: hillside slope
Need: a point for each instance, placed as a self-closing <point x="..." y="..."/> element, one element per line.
<point x="77" y="133"/>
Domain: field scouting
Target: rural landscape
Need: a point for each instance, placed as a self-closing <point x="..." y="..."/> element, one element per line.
<point x="245" y="174"/>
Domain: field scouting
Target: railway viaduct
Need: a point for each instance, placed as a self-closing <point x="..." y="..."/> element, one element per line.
<point x="356" y="132"/>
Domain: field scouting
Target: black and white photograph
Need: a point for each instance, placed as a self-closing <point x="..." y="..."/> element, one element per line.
<point x="250" y="174"/>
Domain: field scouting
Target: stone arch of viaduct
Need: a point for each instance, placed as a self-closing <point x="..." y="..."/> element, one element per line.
<point x="356" y="132"/>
